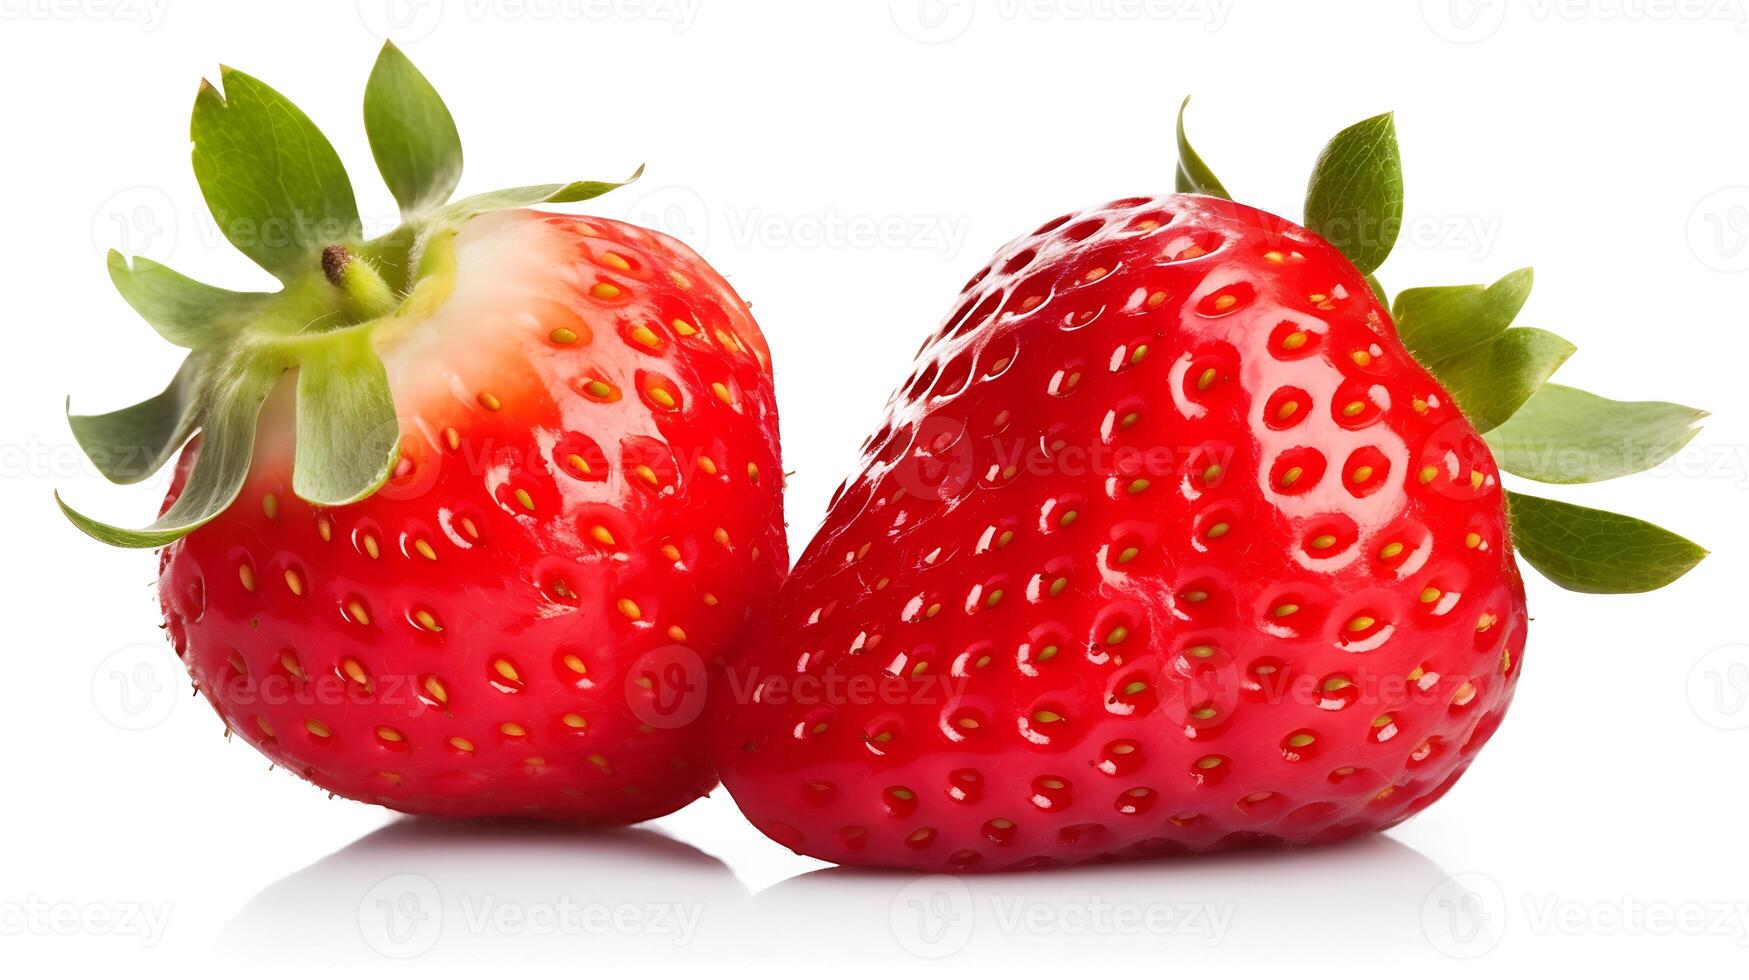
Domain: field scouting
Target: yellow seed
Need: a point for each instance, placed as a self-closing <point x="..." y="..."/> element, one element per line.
<point x="629" y="609"/>
<point x="1225" y="302"/>
<point x="683" y="328"/>
<point x="676" y="634"/>
<point x="1211" y="474"/>
<point x="1200" y="651"/>
<point x="1118" y="634"/>
<point x="428" y="621"/>
<point x="512" y="729"/>
<point x="436" y="690"/>
<point x="246" y="575"/>
<point x="646" y="474"/>
<point x="578" y="463"/>
<point x="661" y="397"/>
<point x="1476" y="479"/>
<point x="1353" y="408"/>
<point x="1430" y="594"/>
<point x="469" y="528"/>
<point x="1361" y="358"/>
<point x="994" y="597"/>
<point x="601" y="534"/>
<point x="1301" y="740"/>
<point x="710" y="599"/>
<point x="1361" y="623"/>
<point x="1058" y="585"/>
<point x="1045" y="717"/>
<point x="370" y="545"/>
<point x="722" y="392"/>
<point x="325" y="528"/>
<point x="354" y="670"/>
<point x="563" y="335"/>
<point x="1218" y="529"/>
<point x="720" y="536"/>
<point x="360" y="615"/>
<point x="1140" y="352"/>
<point x="670" y="552"/>
<point x="460" y="744"/>
<point x="293" y="582"/>
<point x="1293" y="474"/>
<point x="1137" y="486"/>
<point x="1272" y="257"/>
<point x="1205" y="379"/>
<point x="388" y="734"/>
<point x="1323" y="541"/>
<point x="453" y="438"/>
<point x="598" y="389"/>
<point x="1361" y="474"/>
<point x="967" y="722"/>
<point x="1067" y="519"/>
<point x="270" y="506"/>
<point x="1472" y="540"/>
<point x="575" y="664"/>
<point x="1428" y="473"/>
<point x="317" y="729"/>
<point x="604" y="290"/>
<point x="615" y="260"/>
<point x="1127" y="555"/>
<point x="1294" y="341"/>
<point x="1486" y="622"/>
<point x="1391" y="550"/>
<point x="645" y="336"/>
<point x="1156" y="298"/>
<point x="1208" y="762"/>
<point x="1463" y="694"/>
<point x="574" y="720"/>
<point x="1285" y="610"/>
<point x="507" y="670"/>
<point x="524" y="499"/>
<point x="489" y="401"/>
<point x="424" y="548"/>
<point x="1098" y="272"/>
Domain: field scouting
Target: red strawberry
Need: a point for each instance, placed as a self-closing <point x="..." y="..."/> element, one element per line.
<point x="1168" y="543"/>
<point x="514" y="482"/>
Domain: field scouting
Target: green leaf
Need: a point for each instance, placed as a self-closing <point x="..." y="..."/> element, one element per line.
<point x="274" y="184"/>
<point x="184" y="311"/>
<point x="1355" y="198"/>
<point x="1438" y="323"/>
<point x="1378" y="290"/>
<point x="348" y="435"/>
<point x="1490" y="383"/>
<point x="130" y="444"/>
<point x="1587" y="550"/>
<point x="412" y="134"/>
<point x="1194" y="176"/>
<point x="226" y="443"/>
<point x="522" y="197"/>
<point x="1564" y="435"/>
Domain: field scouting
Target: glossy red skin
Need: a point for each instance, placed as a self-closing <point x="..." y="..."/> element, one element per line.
<point x="1177" y="734"/>
<point x="529" y="586"/>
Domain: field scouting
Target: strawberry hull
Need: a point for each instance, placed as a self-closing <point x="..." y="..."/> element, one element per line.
<point x="525" y="618"/>
<point x="1166" y="544"/>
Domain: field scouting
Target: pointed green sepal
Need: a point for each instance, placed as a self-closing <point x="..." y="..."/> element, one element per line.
<point x="412" y="135"/>
<point x="184" y="311"/>
<point x="522" y="197"/>
<point x="348" y="435"/>
<point x="1355" y="197"/>
<point x="1564" y="435"/>
<point x="221" y="464"/>
<point x="1439" y="323"/>
<point x="1194" y="176"/>
<point x="1586" y="550"/>
<point x="1491" y="383"/>
<point x="272" y="180"/>
<point x="130" y="444"/>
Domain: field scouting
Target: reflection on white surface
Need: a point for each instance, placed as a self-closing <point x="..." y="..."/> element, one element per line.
<point x="431" y="893"/>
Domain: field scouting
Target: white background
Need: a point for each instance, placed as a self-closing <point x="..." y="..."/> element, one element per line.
<point x="848" y="166"/>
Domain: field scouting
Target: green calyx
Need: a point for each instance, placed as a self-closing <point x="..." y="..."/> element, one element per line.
<point x="279" y="194"/>
<point x="1499" y="374"/>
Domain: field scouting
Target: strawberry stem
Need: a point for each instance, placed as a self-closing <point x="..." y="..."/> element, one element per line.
<point x="365" y="293"/>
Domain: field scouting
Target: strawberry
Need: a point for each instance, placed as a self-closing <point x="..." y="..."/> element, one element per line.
<point x="476" y="506"/>
<point x="1177" y="540"/>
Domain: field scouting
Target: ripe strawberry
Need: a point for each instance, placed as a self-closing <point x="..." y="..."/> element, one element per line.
<point x="513" y="484"/>
<point x="1168" y="543"/>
